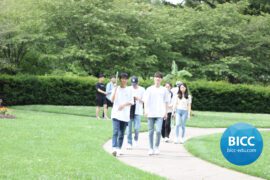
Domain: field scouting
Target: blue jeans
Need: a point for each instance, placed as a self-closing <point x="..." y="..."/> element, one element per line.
<point x="181" y="118"/>
<point x="119" y="128"/>
<point x="137" y="124"/>
<point x="151" y="123"/>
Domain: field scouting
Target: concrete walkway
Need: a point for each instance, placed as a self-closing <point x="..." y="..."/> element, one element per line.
<point x="174" y="162"/>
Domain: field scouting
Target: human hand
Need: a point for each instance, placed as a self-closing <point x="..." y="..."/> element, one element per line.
<point x="165" y="116"/>
<point x="121" y="107"/>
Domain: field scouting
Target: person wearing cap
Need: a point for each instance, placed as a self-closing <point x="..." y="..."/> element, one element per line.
<point x="156" y="107"/>
<point x="175" y="89"/>
<point x="101" y="96"/>
<point x="122" y="99"/>
<point x="136" y="112"/>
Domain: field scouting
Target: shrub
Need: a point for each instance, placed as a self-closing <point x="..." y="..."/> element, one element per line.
<point x="56" y="90"/>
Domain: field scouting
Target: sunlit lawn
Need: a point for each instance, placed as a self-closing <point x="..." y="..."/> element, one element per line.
<point x="207" y="147"/>
<point x="42" y="145"/>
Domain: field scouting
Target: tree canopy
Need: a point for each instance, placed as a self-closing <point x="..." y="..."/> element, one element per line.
<point x="84" y="37"/>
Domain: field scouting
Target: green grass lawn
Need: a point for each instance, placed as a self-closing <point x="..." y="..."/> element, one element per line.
<point x="207" y="148"/>
<point x="199" y="119"/>
<point x="74" y="110"/>
<point x="206" y="119"/>
<point x="51" y="145"/>
<point x="65" y="142"/>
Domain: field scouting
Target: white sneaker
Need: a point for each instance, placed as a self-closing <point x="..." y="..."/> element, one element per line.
<point x="176" y="141"/>
<point x="129" y="146"/>
<point x="151" y="152"/>
<point x="119" y="152"/>
<point x="135" y="144"/>
<point x="183" y="140"/>
<point x="156" y="151"/>
<point x="167" y="139"/>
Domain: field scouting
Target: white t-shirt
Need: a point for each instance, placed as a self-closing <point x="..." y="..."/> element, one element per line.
<point x="155" y="101"/>
<point x="139" y="92"/>
<point x="175" y="91"/>
<point x="122" y="96"/>
<point x="182" y="103"/>
<point x="170" y="103"/>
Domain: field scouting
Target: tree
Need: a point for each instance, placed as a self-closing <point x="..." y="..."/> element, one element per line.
<point x="175" y="75"/>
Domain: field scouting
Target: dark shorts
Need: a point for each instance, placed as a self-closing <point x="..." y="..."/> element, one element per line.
<point x="101" y="100"/>
<point x="109" y="103"/>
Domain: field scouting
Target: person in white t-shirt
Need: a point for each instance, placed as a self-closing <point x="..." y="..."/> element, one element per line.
<point x="136" y="112"/>
<point x="175" y="89"/>
<point x="156" y="105"/>
<point x="166" y="126"/>
<point x="122" y="100"/>
<point x="181" y="109"/>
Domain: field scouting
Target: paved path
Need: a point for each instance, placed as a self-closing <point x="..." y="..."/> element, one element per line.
<point x="174" y="162"/>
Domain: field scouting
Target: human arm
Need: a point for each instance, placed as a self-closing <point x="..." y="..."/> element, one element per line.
<point x="98" y="88"/>
<point x="174" y="103"/>
<point x="129" y="101"/>
<point x="139" y="98"/>
<point x="101" y="91"/>
<point x="189" y="107"/>
<point x="114" y="94"/>
<point x="145" y="101"/>
<point x="122" y="106"/>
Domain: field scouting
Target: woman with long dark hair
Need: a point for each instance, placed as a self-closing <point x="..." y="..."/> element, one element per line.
<point x="181" y="109"/>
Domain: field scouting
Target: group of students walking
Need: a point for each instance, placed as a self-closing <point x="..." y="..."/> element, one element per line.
<point x="158" y="103"/>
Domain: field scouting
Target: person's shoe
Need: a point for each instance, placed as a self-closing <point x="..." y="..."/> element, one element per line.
<point x="167" y="139"/>
<point x="176" y="141"/>
<point x="183" y="140"/>
<point x="119" y="152"/>
<point x="114" y="152"/>
<point x="129" y="146"/>
<point x="135" y="144"/>
<point x="151" y="152"/>
<point x="156" y="151"/>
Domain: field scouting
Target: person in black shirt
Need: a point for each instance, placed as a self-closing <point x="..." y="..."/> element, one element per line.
<point x="101" y="97"/>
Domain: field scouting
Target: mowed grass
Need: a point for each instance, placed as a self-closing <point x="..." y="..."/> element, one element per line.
<point x="202" y="119"/>
<point x="51" y="145"/>
<point x="207" y="148"/>
<point x="206" y="119"/>
<point x="89" y="111"/>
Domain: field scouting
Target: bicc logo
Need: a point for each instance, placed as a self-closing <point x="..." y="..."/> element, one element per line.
<point x="241" y="144"/>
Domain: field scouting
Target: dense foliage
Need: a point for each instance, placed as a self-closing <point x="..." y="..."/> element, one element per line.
<point x="207" y="96"/>
<point x="224" y="42"/>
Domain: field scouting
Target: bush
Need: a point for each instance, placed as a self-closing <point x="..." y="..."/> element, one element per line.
<point x="222" y="96"/>
<point x="56" y="90"/>
<point x="21" y="90"/>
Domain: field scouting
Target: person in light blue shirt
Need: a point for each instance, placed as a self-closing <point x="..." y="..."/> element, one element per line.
<point x="109" y="88"/>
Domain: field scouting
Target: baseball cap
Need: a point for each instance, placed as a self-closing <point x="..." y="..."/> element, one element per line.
<point x="178" y="83"/>
<point x="134" y="80"/>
